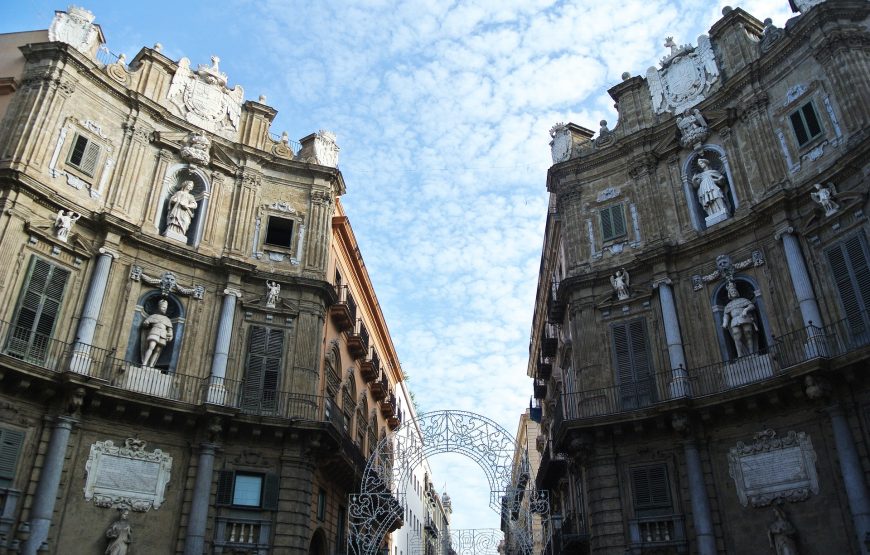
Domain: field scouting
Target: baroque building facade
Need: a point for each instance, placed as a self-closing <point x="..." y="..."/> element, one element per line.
<point x="700" y="330"/>
<point x="181" y="369"/>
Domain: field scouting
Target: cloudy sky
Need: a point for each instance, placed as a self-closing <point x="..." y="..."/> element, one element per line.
<point x="441" y="109"/>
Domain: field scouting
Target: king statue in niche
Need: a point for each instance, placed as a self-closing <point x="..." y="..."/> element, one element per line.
<point x="156" y="332"/>
<point x="182" y="206"/>
<point x="739" y="320"/>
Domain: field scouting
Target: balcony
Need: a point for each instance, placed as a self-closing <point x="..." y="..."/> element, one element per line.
<point x="569" y="535"/>
<point x="358" y="340"/>
<point x="430" y="527"/>
<point x="555" y="305"/>
<point x="395" y="420"/>
<point x="370" y="367"/>
<point x="549" y="341"/>
<point x="388" y="405"/>
<point x="540" y="387"/>
<point x="343" y="312"/>
<point x="545" y="368"/>
<point x="653" y="534"/>
<point x="791" y="353"/>
<point x="380" y="388"/>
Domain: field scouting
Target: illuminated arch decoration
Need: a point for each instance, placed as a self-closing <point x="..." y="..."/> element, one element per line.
<point x="379" y="507"/>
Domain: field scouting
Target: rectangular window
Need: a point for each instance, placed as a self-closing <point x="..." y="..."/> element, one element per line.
<point x="247" y="489"/>
<point x="612" y="222"/>
<point x="851" y="274"/>
<point x="321" y="505"/>
<point x="279" y="232"/>
<point x="633" y="364"/>
<point x="265" y="351"/>
<point x="651" y="490"/>
<point x="84" y="155"/>
<point x="805" y="123"/>
<point x="37" y="312"/>
<point x="10" y="447"/>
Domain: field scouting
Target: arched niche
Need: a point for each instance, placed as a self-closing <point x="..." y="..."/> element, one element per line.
<point x="718" y="161"/>
<point x="318" y="544"/>
<point x="147" y="305"/>
<point x="172" y="183"/>
<point x="748" y="289"/>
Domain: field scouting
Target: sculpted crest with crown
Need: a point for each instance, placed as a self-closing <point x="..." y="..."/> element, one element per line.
<point x="203" y="98"/>
<point x="686" y="76"/>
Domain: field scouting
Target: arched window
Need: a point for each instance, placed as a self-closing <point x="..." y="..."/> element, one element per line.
<point x="348" y="405"/>
<point x="362" y="411"/>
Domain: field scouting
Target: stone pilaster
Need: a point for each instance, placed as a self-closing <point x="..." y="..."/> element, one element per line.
<point x="605" y="505"/>
<point x="244" y="212"/>
<point x="842" y="54"/>
<point x="765" y="166"/>
<point x="194" y="540"/>
<point x="701" y="517"/>
<point x="853" y="475"/>
<point x="319" y="231"/>
<point x="292" y="521"/>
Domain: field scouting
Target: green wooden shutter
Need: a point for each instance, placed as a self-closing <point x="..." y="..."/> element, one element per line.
<point x="226" y="479"/>
<point x="37" y="311"/>
<point x="265" y="349"/>
<point x="606" y="225"/>
<point x="612" y="222"/>
<point x="271" y="485"/>
<point x="651" y="491"/>
<point x="10" y="447"/>
<point x="851" y="274"/>
<point x="631" y="361"/>
<point x="272" y="368"/>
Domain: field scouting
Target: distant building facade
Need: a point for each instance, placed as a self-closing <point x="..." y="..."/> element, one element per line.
<point x="182" y="372"/>
<point x="701" y="323"/>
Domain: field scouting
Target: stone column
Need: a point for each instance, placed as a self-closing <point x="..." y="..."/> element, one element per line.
<point x="194" y="539"/>
<point x="853" y="475"/>
<point x="217" y="388"/>
<point x="701" y="517"/>
<point x="293" y="519"/>
<point x="81" y="359"/>
<point x="679" y="386"/>
<point x="319" y="227"/>
<point x="800" y="278"/>
<point x="49" y="481"/>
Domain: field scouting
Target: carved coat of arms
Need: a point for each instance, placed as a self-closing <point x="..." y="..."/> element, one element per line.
<point x="204" y="100"/>
<point x="686" y="76"/>
<point x="76" y="28"/>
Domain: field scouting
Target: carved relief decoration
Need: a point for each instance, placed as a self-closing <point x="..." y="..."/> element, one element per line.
<point x="774" y="469"/>
<point x="325" y="149"/>
<point x="76" y="28"/>
<point x="167" y="284"/>
<point x="196" y="149"/>
<point x="203" y="98"/>
<point x="725" y="269"/>
<point x="560" y="146"/>
<point x="128" y="476"/>
<point x="686" y="76"/>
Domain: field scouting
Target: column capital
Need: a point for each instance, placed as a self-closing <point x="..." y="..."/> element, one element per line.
<point x="237" y="293"/>
<point x="111" y="252"/>
<point x="783" y="231"/>
<point x="661" y="281"/>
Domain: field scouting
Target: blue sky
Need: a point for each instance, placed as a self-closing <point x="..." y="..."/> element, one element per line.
<point x="442" y="111"/>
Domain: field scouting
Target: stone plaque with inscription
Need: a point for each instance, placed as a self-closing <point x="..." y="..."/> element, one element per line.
<point x="774" y="469"/>
<point x="127" y="476"/>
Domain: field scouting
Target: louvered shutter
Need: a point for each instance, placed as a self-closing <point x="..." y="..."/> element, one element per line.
<point x="651" y="490"/>
<point x="91" y="157"/>
<point x="10" y="447"/>
<point x="37" y="312"/>
<point x="271" y="485"/>
<point x="849" y="268"/>
<point x="632" y="363"/>
<point x="272" y="368"/>
<point x="618" y="218"/>
<point x="224" y="494"/>
<point x="641" y="363"/>
<point x="606" y="225"/>
<point x="265" y="348"/>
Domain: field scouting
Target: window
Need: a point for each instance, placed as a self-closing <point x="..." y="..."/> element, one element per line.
<point x="805" y="122"/>
<point x="84" y="155"/>
<point x="279" y="232"/>
<point x="265" y="350"/>
<point x="612" y="222"/>
<point x="633" y="365"/>
<point x="10" y="447"/>
<point x="37" y="312"/>
<point x="247" y="489"/>
<point x="851" y="274"/>
<point x="650" y="490"/>
<point x="321" y="505"/>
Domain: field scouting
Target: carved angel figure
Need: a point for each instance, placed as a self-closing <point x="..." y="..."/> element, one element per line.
<point x="620" y="282"/>
<point x="824" y="196"/>
<point x="273" y="289"/>
<point x="120" y="535"/>
<point x="63" y="223"/>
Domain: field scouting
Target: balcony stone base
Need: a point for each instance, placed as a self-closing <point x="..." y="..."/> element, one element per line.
<point x="748" y="369"/>
<point x="145" y="379"/>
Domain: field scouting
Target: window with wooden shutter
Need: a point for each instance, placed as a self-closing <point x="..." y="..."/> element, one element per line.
<point x="805" y="123"/>
<point x="632" y="363"/>
<point x="612" y="222"/>
<point x="271" y="485"/>
<point x="651" y="490"/>
<point x="10" y="447"/>
<point x="84" y="155"/>
<point x="851" y="274"/>
<point x="38" y="309"/>
<point x="224" y="494"/>
<point x="262" y="369"/>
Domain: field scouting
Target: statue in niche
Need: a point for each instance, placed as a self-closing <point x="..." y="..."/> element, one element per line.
<point x="707" y="180"/>
<point x="156" y="333"/>
<point x="63" y="223"/>
<point x="273" y="289"/>
<point x="620" y="282"/>
<point x="781" y="534"/>
<point x="739" y="320"/>
<point x="120" y="535"/>
<point x="824" y="196"/>
<point x="182" y="205"/>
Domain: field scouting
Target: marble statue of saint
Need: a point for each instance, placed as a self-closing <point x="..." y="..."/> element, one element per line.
<point x="620" y="283"/>
<point x="120" y="535"/>
<point x="63" y="223"/>
<point x="273" y="289"/>
<point x="709" y="192"/>
<point x="181" y="208"/>
<point x="739" y="319"/>
<point x="781" y="534"/>
<point x="156" y="333"/>
<point x="824" y="196"/>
